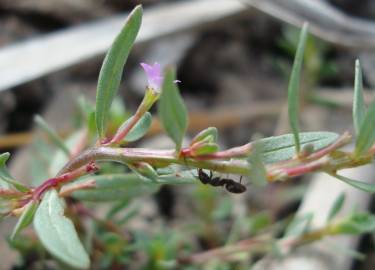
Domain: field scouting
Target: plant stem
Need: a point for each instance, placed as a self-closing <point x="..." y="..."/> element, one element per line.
<point x="63" y="178"/>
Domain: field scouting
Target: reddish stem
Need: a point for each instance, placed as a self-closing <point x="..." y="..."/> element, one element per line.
<point x="340" y="142"/>
<point x="64" y="178"/>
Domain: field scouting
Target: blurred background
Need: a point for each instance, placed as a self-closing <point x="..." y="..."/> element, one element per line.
<point x="233" y="59"/>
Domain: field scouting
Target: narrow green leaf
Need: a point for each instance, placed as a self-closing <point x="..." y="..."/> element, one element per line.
<point x="52" y="135"/>
<point x="293" y="87"/>
<point x="115" y="187"/>
<point x="172" y="111"/>
<point x="368" y="187"/>
<point x="8" y="180"/>
<point x="299" y="225"/>
<point x="258" y="173"/>
<point x="366" y="136"/>
<point x="112" y="68"/>
<point x="57" y="233"/>
<point x="336" y="206"/>
<point x="25" y="219"/>
<point x="139" y="129"/>
<point x="279" y="148"/>
<point x="355" y="224"/>
<point x="359" y="107"/>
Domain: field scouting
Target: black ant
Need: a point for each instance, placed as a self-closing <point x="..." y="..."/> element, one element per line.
<point x="229" y="184"/>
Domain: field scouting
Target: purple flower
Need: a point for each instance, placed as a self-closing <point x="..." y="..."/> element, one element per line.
<point x="154" y="75"/>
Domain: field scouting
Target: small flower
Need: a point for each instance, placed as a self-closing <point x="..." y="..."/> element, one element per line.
<point x="154" y="76"/>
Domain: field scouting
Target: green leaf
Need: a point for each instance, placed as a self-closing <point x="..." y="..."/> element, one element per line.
<point x="52" y="135"/>
<point x="140" y="128"/>
<point x="258" y="173"/>
<point x="355" y="224"/>
<point x="172" y="111"/>
<point x="210" y="131"/>
<point x="115" y="187"/>
<point x="205" y="149"/>
<point x="8" y="180"/>
<point x="25" y="219"/>
<point x="279" y="148"/>
<point x="336" y="207"/>
<point x="366" y="136"/>
<point x="359" y="107"/>
<point x="3" y="172"/>
<point x="182" y="178"/>
<point x="293" y="87"/>
<point x="57" y="233"/>
<point x="299" y="225"/>
<point x="5" y="207"/>
<point x="112" y="68"/>
<point x="144" y="170"/>
<point x="357" y="184"/>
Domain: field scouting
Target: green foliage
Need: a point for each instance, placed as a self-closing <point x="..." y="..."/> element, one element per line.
<point x="114" y="187"/>
<point x="368" y="187"/>
<point x="208" y="132"/>
<point x="293" y="87"/>
<point x="25" y="219"/>
<point x="259" y="222"/>
<point x="112" y="68"/>
<point x="366" y="136"/>
<point x="359" y="107"/>
<point x="206" y="148"/>
<point x="258" y="173"/>
<point x="144" y="170"/>
<point x="357" y="223"/>
<point x="336" y="206"/>
<point x="139" y="129"/>
<point x="279" y="148"/>
<point x="52" y="135"/>
<point x="57" y="233"/>
<point x="6" y="180"/>
<point x="172" y="111"/>
<point x="299" y="225"/>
